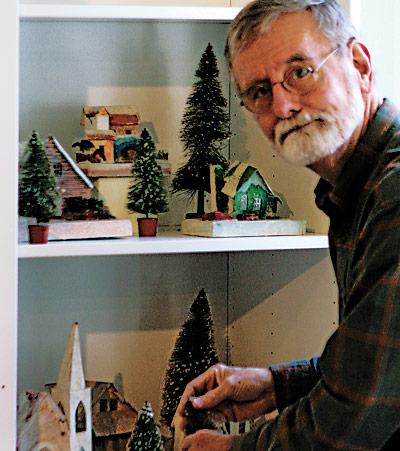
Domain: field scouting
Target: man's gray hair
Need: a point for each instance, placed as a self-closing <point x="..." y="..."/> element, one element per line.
<point x="256" y="18"/>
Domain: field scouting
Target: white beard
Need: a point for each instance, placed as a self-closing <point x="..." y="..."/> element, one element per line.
<point x="313" y="136"/>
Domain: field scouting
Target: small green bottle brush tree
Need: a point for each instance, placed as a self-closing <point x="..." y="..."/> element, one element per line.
<point x="38" y="195"/>
<point x="146" y="435"/>
<point x="147" y="194"/>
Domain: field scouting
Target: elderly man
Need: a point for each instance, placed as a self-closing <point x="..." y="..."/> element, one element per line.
<point x="299" y="68"/>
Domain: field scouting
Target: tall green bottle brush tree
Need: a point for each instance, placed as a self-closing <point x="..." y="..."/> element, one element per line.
<point x="193" y="353"/>
<point x="204" y="132"/>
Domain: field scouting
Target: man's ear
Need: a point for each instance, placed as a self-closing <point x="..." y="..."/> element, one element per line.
<point x="362" y="63"/>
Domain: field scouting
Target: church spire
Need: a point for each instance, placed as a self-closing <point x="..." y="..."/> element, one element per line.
<point x="71" y="375"/>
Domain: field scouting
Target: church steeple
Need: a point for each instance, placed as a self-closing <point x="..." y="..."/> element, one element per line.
<point x="72" y="396"/>
<point x="71" y="375"/>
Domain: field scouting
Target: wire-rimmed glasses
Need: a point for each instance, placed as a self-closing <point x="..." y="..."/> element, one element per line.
<point x="298" y="79"/>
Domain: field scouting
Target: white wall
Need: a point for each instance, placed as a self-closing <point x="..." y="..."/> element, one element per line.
<point x="379" y="27"/>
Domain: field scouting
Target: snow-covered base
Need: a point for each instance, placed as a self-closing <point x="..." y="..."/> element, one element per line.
<point x="99" y="228"/>
<point x="232" y="228"/>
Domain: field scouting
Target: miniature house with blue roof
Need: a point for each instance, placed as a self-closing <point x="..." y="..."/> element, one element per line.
<point x="248" y="192"/>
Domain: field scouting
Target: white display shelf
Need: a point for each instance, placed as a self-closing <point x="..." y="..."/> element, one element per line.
<point x="123" y="12"/>
<point x="172" y="243"/>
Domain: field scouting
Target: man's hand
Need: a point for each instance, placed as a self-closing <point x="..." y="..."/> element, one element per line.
<point x="235" y="394"/>
<point x="207" y="440"/>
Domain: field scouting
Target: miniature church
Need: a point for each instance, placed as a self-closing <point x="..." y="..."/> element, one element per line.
<point x="72" y="396"/>
<point x="76" y="414"/>
<point x="60" y="419"/>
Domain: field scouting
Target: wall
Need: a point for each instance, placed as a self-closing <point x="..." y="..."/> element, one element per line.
<point x="379" y="30"/>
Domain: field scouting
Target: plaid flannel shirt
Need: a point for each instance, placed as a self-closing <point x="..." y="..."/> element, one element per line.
<point x="349" y="397"/>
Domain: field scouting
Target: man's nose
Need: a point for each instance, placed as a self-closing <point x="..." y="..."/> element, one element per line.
<point x="285" y="104"/>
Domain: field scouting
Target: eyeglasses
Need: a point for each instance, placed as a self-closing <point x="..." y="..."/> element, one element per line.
<point x="298" y="79"/>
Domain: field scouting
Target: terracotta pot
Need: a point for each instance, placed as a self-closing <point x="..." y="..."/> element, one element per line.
<point x="38" y="233"/>
<point x="147" y="226"/>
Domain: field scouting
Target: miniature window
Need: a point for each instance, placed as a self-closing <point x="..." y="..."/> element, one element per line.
<point x="80" y="418"/>
<point x="103" y="405"/>
<point x="257" y="203"/>
<point x="113" y="404"/>
<point x="57" y="168"/>
<point x="115" y="444"/>
<point x="99" y="444"/>
<point x="243" y="202"/>
<point x="61" y="407"/>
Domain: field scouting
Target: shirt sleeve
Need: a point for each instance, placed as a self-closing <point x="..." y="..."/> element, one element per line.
<point x="355" y="404"/>
<point x="294" y="380"/>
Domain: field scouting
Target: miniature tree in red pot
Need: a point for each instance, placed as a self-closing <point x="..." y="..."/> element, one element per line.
<point x="38" y="195"/>
<point x="147" y="194"/>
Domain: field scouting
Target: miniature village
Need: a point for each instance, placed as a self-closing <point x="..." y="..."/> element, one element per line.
<point x="114" y="182"/>
<point x="78" y="414"/>
<point x="109" y="181"/>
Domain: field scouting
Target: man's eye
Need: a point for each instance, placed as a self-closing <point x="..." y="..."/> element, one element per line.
<point x="298" y="73"/>
<point x="261" y="91"/>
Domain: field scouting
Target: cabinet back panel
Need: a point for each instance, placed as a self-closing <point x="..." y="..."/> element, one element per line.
<point x="129" y="310"/>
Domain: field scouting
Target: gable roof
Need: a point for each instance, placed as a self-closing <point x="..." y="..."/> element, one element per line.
<point x="237" y="174"/>
<point x="70" y="161"/>
<point x="114" y="422"/>
<point x="121" y="114"/>
<point x="39" y="419"/>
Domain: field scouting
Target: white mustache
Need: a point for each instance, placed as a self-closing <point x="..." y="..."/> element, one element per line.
<point x="286" y="126"/>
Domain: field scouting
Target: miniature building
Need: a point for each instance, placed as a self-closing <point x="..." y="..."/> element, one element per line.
<point x="71" y="180"/>
<point x="110" y="129"/>
<point x="102" y="119"/>
<point x="125" y="148"/>
<point x="113" y="417"/>
<point x="107" y="152"/>
<point x="248" y="192"/>
<point x="72" y="396"/>
<point x="122" y="119"/>
<point x="41" y="423"/>
<point x="103" y="148"/>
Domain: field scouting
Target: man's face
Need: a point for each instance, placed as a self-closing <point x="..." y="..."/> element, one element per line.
<point x="303" y="128"/>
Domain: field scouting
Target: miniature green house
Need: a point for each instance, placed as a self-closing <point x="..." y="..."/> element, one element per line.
<point x="248" y="192"/>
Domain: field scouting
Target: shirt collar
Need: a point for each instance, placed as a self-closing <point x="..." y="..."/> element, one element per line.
<point x="363" y="159"/>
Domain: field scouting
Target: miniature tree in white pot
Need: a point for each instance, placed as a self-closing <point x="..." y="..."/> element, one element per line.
<point x="38" y="195"/>
<point x="147" y="194"/>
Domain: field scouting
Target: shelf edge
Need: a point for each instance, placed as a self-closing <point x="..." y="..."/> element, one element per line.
<point x="123" y="12"/>
<point x="170" y="245"/>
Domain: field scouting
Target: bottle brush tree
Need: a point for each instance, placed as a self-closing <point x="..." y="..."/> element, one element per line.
<point x="193" y="353"/>
<point x="38" y="195"/>
<point x="147" y="193"/>
<point x="146" y="435"/>
<point x="204" y="132"/>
